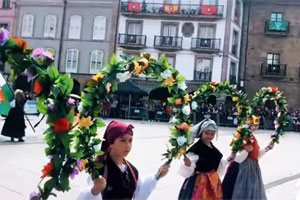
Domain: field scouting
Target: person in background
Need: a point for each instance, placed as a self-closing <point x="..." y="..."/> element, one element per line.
<point x="14" y="125"/>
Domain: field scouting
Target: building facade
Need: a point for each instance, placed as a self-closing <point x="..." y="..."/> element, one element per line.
<point x="201" y="38"/>
<point x="7" y="15"/>
<point x="270" y="47"/>
<point x="81" y="33"/>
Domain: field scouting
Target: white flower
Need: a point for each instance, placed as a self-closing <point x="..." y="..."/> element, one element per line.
<point x="186" y="110"/>
<point x="173" y="120"/>
<point x="182" y="86"/>
<point x="123" y="76"/>
<point x="97" y="147"/>
<point x="279" y="114"/>
<point x="181" y="140"/>
<point x="245" y="126"/>
<point x="194" y="105"/>
<point x="167" y="73"/>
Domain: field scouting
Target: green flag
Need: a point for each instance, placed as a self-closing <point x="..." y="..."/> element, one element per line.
<point x="6" y="96"/>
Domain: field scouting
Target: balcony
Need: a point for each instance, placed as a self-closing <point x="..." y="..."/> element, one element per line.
<point x="132" y="41"/>
<point x="168" y="42"/>
<point x="205" y="45"/>
<point x="202" y="76"/>
<point x="273" y="70"/>
<point x="167" y="10"/>
<point x="277" y="28"/>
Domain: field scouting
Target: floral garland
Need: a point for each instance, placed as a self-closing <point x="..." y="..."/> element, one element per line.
<point x="273" y="94"/>
<point x="244" y="134"/>
<point x="72" y="141"/>
<point x="225" y="89"/>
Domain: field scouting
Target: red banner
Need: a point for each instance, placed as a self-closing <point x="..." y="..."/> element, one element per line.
<point x="134" y="7"/>
<point x="209" y="10"/>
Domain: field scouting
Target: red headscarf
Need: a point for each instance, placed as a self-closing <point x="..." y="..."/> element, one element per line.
<point x="114" y="131"/>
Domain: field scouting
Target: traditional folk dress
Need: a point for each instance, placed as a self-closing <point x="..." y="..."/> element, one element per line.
<point x="121" y="183"/>
<point x="243" y="179"/>
<point x="202" y="178"/>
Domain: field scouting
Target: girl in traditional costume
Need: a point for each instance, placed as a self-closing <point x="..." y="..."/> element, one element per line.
<point x="243" y="179"/>
<point x="119" y="178"/>
<point x="202" y="165"/>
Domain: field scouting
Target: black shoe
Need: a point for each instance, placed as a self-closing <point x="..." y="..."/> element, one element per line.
<point x="12" y="139"/>
<point x="21" y="140"/>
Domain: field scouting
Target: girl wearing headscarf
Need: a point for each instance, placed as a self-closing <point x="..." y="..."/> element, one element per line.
<point x="202" y="165"/>
<point x="119" y="178"/>
<point x="243" y="178"/>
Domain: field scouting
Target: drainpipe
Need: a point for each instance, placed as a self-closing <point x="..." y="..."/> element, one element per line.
<point x="61" y="36"/>
<point x="117" y="27"/>
<point x="245" y="56"/>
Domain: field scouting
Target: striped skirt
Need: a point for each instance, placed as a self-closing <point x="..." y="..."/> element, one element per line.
<point x="249" y="184"/>
<point x="202" y="186"/>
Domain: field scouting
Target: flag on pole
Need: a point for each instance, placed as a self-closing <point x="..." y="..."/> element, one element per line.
<point x="6" y="96"/>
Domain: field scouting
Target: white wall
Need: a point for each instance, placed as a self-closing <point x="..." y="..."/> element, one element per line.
<point x="185" y="59"/>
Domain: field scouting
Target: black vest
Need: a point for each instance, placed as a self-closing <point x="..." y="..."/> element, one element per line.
<point x="119" y="185"/>
<point x="209" y="157"/>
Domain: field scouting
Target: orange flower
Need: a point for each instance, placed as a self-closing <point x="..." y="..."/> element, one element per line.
<point x="47" y="169"/>
<point x="237" y="135"/>
<point x="179" y="153"/>
<point x="272" y="89"/>
<point x="214" y="83"/>
<point x="178" y="102"/>
<point x="37" y="87"/>
<point x="108" y="86"/>
<point x="186" y="98"/>
<point x="21" y="43"/>
<point x="169" y="81"/>
<point x="144" y="63"/>
<point x="184" y="127"/>
<point x="231" y="143"/>
<point x="85" y="122"/>
<point x="255" y="120"/>
<point x="137" y="68"/>
<point x="61" y="125"/>
<point x="97" y="77"/>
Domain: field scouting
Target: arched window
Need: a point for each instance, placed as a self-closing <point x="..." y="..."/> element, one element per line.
<point x="99" y="28"/>
<point x="27" y="25"/>
<point x="50" y="26"/>
<point x="96" y="61"/>
<point x="72" y="60"/>
<point x="75" y="27"/>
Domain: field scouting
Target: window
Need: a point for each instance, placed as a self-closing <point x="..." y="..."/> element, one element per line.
<point x="27" y="25"/>
<point x="134" y="28"/>
<point x="237" y="12"/>
<point x="276" y="17"/>
<point x="75" y="27"/>
<point x="171" y="58"/>
<point x="99" y="28"/>
<point x="72" y="60"/>
<point x="4" y="26"/>
<point x="6" y="4"/>
<point x="96" y="61"/>
<point x="273" y="63"/>
<point x="171" y="1"/>
<point x="129" y="55"/>
<point x="235" y="43"/>
<point x="50" y="26"/>
<point x="203" y="69"/>
<point x="232" y="75"/>
<point x="273" y="59"/>
<point x="169" y="30"/>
